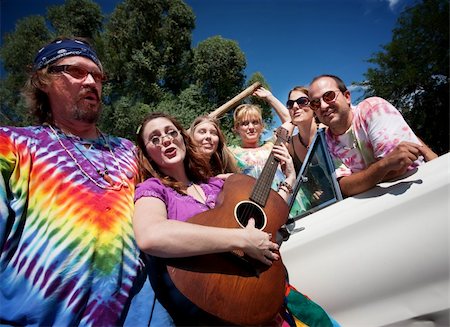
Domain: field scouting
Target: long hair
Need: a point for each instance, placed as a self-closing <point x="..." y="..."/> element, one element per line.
<point x="222" y="161"/>
<point x="37" y="101"/>
<point x="196" y="165"/>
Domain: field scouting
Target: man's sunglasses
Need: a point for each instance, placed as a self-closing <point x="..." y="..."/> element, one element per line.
<point x="302" y="101"/>
<point x="77" y="72"/>
<point x="328" y="97"/>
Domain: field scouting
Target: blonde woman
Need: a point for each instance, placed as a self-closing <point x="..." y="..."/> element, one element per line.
<point x="251" y="155"/>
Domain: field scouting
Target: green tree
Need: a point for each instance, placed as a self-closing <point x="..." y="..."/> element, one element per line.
<point x="76" y="17"/>
<point x="146" y="54"/>
<point x="219" y="68"/>
<point x="413" y="70"/>
<point x="17" y="53"/>
<point x="147" y="51"/>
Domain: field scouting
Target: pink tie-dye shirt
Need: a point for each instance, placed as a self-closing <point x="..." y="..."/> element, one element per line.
<point x="377" y="128"/>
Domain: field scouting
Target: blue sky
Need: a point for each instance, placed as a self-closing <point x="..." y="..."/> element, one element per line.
<point x="288" y="41"/>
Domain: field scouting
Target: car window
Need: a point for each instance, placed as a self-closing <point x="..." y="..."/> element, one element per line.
<point x="316" y="186"/>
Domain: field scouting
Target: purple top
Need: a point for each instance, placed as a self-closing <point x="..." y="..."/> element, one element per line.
<point x="180" y="206"/>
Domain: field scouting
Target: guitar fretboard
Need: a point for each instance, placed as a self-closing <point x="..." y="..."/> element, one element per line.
<point x="262" y="188"/>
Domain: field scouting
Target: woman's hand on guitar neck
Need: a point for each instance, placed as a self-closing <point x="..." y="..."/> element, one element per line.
<point x="281" y="153"/>
<point x="259" y="245"/>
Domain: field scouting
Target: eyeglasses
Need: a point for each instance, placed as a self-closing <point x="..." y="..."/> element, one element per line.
<point x="157" y="140"/>
<point x="77" y="72"/>
<point x="328" y="97"/>
<point x="302" y="101"/>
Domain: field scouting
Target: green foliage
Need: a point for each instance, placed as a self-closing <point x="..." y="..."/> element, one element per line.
<point x="218" y="68"/>
<point x="148" y="58"/>
<point x="147" y="51"/>
<point x="123" y="117"/>
<point x="76" y="18"/>
<point x="17" y="53"/>
<point x="413" y="71"/>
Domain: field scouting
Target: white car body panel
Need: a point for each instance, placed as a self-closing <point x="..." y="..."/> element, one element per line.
<point x="382" y="257"/>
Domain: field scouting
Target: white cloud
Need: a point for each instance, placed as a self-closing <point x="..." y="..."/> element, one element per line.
<point x="392" y="3"/>
<point x="357" y="88"/>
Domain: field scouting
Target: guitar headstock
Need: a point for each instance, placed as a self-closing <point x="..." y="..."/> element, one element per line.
<point x="283" y="135"/>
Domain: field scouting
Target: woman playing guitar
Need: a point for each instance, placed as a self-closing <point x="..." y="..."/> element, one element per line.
<point x="178" y="186"/>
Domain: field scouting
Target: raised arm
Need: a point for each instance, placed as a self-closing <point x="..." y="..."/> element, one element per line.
<point x="276" y="104"/>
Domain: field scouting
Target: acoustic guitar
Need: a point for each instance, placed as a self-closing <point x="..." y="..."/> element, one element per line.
<point x="232" y="286"/>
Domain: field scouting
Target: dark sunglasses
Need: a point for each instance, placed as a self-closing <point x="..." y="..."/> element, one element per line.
<point x="302" y="101"/>
<point x="77" y="72"/>
<point x="328" y="97"/>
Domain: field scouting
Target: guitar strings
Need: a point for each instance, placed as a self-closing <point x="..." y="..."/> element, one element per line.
<point x="268" y="170"/>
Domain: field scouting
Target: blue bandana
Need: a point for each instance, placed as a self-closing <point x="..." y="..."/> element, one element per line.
<point x="63" y="48"/>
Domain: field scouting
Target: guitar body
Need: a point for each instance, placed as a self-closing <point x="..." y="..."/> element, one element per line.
<point x="232" y="286"/>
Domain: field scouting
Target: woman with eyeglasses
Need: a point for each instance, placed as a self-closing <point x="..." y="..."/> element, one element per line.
<point x="177" y="184"/>
<point x="205" y="131"/>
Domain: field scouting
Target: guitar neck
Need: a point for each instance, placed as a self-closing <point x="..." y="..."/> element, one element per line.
<point x="263" y="185"/>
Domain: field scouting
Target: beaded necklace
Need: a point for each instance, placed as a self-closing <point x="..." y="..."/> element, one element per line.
<point x="301" y="141"/>
<point x="104" y="174"/>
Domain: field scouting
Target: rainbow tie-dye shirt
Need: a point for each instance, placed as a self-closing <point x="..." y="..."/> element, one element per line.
<point x="68" y="255"/>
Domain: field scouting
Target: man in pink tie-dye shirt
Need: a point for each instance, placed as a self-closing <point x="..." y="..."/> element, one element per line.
<point x="369" y="143"/>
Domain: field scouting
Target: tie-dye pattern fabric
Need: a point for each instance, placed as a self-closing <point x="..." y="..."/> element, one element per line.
<point x="377" y="128"/>
<point x="68" y="255"/>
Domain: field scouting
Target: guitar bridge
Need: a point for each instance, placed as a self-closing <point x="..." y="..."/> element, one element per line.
<point x="243" y="262"/>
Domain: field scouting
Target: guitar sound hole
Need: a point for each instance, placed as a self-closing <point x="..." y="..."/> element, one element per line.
<point x="245" y="210"/>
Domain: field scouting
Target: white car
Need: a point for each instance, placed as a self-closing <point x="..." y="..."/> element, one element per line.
<point x="380" y="258"/>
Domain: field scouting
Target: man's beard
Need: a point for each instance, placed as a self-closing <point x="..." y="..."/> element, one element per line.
<point x="87" y="113"/>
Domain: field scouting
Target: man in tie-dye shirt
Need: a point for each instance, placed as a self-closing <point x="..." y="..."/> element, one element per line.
<point x="369" y="143"/>
<point x="68" y="255"/>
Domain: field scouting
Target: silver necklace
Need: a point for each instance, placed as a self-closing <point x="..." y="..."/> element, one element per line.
<point x="105" y="174"/>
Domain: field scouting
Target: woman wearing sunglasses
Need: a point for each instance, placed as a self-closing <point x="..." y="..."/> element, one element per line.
<point x="302" y="117"/>
<point x="300" y="114"/>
